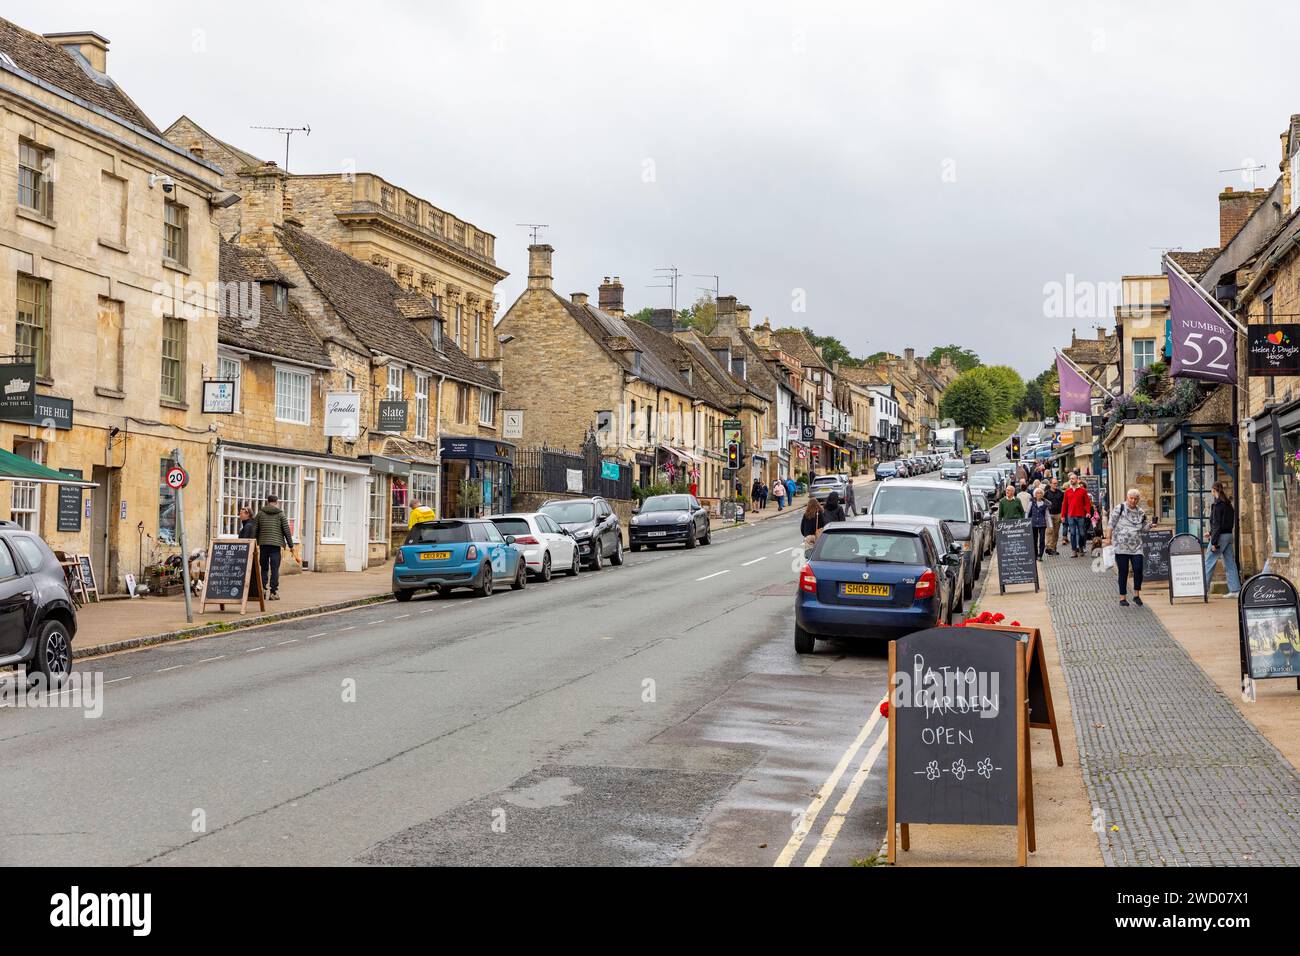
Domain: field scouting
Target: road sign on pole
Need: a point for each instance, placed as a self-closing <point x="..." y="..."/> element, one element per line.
<point x="181" y="479"/>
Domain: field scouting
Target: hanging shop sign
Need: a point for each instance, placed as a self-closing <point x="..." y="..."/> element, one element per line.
<point x="392" y="416"/>
<point x="1274" y="349"/>
<point x="218" y="397"/>
<point x="343" y="414"/>
<point x="17" y="391"/>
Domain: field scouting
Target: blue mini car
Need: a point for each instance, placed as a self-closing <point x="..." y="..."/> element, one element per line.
<point x="457" y="553"/>
<point x="877" y="580"/>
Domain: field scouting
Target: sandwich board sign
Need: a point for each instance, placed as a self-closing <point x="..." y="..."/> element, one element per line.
<point x="1017" y="563"/>
<point x="232" y="575"/>
<point x="1270" y="628"/>
<point x="1187" y="568"/>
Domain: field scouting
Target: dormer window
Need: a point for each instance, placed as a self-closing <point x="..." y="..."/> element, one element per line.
<point x="277" y="293"/>
<point x="738" y="366"/>
<point x="435" y="333"/>
<point x="636" y="363"/>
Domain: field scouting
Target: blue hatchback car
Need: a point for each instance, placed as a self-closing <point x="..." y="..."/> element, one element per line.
<point x="457" y="553"/>
<point x="878" y="580"/>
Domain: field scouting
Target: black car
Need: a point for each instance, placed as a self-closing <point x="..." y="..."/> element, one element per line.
<point x="669" y="519"/>
<point x="593" y="524"/>
<point x="37" y="617"/>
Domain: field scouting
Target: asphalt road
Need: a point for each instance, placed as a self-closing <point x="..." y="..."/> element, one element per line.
<point x="649" y="714"/>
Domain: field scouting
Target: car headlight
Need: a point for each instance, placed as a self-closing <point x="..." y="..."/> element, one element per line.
<point x="636" y="521"/>
<point x="683" y="519"/>
<point x="583" y="534"/>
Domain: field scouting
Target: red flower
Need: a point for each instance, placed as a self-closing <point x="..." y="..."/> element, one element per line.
<point x="884" y="708"/>
<point x="1015" y="623"/>
<point x="999" y="618"/>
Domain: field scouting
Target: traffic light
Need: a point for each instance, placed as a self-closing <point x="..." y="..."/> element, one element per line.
<point x="1015" y="446"/>
<point x="733" y="455"/>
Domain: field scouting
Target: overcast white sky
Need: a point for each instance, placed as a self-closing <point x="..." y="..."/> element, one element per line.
<point x="919" y="170"/>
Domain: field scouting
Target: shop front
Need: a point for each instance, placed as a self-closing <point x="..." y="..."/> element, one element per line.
<point x="477" y="476"/>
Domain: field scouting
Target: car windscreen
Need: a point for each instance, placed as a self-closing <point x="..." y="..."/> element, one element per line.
<point x="876" y="546"/>
<point x="515" y="526"/>
<point x="666" y="503"/>
<point x="570" y="512"/>
<point x="831" y="480"/>
<point x="947" y="504"/>
<point x="954" y="463"/>
<point x="437" y="532"/>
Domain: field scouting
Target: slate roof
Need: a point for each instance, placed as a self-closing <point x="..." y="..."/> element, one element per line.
<point x="1092" y="352"/>
<point x="620" y="337"/>
<point x="1195" y="263"/>
<point x="285" y="333"/>
<point x="797" y="344"/>
<point x="38" y="56"/>
<point x="375" y="308"/>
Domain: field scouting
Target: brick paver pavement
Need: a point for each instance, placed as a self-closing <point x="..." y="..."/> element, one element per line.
<point x="1182" y="778"/>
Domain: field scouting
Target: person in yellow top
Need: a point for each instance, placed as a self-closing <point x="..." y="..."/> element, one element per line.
<point x="421" y="513"/>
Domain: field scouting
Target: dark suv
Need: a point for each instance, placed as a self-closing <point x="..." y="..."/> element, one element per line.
<point x="37" y="616"/>
<point x="594" y="526"/>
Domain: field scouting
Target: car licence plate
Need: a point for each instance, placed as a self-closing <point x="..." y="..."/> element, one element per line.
<point x="867" y="590"/>
<point x="435" y="555"/>
<point x="656" y="534"/>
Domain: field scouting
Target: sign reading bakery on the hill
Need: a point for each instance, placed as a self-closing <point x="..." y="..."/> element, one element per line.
<point x="1274" y="350"/>
<point x="17" y="390"/>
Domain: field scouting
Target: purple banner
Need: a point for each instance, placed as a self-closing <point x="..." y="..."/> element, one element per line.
<point x="1204" y="344"/>
<point x="1076" y="393"/>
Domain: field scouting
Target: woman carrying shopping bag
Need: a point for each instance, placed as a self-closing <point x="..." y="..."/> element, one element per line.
<point x="1127" y="522"/>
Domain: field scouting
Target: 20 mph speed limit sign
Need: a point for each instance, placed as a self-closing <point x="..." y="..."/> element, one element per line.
<point x="177" y="477"/>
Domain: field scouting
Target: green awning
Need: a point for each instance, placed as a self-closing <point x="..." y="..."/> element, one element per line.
<point x="17" y="468"/>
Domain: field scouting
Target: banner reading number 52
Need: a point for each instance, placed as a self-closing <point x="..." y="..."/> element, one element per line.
<point x="1214" y="342"/>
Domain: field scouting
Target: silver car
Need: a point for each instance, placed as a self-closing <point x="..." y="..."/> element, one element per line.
<point x="823" y="485"/>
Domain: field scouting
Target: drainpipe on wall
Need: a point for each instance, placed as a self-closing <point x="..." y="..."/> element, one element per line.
<point x="437" y="431"/>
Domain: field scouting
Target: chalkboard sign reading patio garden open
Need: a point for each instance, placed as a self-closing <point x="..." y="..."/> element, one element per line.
<point x="232" y="568"/>
<point x="1016" y="561"/>
<point x="959" y="733"/>
<point x="1155" y="557"/>
<point x="1270" y="629"/>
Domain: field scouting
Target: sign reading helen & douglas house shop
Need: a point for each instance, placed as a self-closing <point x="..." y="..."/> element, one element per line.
<point x="1274" y="349"/>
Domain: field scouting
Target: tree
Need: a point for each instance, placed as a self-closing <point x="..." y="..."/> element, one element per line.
<point x="833" y="350"/>
<point x="1007" y="387"/>
<point x="969" y="401"/>
<point x="646" y="315"/>
<point x="702" y="316"/>
<point x="963" y="358"/>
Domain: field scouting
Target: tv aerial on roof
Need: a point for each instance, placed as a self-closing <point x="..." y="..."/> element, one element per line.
<point x="286" y="132"/>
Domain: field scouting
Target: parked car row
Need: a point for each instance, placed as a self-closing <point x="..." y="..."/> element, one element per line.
<point x="908" y="467"/>
<point x="567" y="536"/>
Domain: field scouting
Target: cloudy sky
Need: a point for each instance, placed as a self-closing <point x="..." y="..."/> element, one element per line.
<point x="893" y="174"/>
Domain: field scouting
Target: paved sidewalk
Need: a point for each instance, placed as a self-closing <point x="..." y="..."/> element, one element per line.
<point x="1183" y="779"/>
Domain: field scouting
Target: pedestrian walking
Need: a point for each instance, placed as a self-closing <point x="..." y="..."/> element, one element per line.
<point x="756" y="493"/>
<point x="1077" y="506"/>
<point x="778" y="492"/>
<point x="1127" y="522"/>
<point x="1055" y="499"/>
<point x="850" y="501"/>
<point x="1223" y="520"/>
<point x="1039" y="518"/>
<point x="790" y="486"/>
<point x="810" y="525"/>
<point x="271" y="528"/>
<point x="1010" y="508"/>
<point x="1026" y="499"/>
<point x="246" y="522"/>
<point x="763" y="494"/>
<point x="834" y="510"/>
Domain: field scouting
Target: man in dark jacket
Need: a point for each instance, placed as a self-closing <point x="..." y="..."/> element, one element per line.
<point x="271" y="528"/>
<point x="1055" y="498"/>
<point x="834" y="511"/>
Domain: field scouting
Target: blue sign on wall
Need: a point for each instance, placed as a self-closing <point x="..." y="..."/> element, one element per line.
<point x="610" y="469"/>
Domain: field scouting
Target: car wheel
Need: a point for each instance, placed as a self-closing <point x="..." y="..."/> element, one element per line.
<point x="948" y="621"/>
<point x="597" y="557"/>
<point x="616" y="558"/>
<point x="545" y="573"/>
<point x="444" y="591"/>
<point x="403" y="595"/>
<point x="708" y="536"/>
<point x="485" y="582"/>
<point x="804" y="643"/>
<point x="53" y="660"/>
<point x="968" y="589"/>
<point x="521" y="577"/>
<point x="690" y="540"/>
<point x="576" y="565"/>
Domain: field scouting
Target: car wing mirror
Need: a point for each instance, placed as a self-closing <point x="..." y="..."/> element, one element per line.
<point x="510" y="539"/>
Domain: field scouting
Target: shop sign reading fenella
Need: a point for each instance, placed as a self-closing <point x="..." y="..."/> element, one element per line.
<point x="343" y="414"/>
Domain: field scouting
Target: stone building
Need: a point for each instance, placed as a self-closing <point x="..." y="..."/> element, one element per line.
<point x="112" y="263"/>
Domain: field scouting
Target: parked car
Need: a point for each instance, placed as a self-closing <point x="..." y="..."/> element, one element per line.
<point x="951" y="503"/>
<point x="670" y="519"/>
<point x="953" y="468"/>
<point x="989" y="480"/>
<point x="39" y="619"/>
<point x="457" y="553"/>
<point x="983" y="502"/>
<point x="1033" y="439"/>
<point x="979" y="456"/>
<point x="886" y="470"/>
<point x="877" y="579"/>
<point x="594" y="526"/>
<point x="547" y="547"/>
<point x="823" y="485"/>
<point x="944" y="543"/>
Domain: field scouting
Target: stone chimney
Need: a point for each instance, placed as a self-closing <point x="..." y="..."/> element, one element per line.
<point x="742" y="316"/>
<point x="763" y="334"/>
<point x="1234" y="209"/>
<point x="726" y="313"/>
<point x="578" y="298"/>
<point x="90" y="45"/>
<point x="663" y="320"/>
<point x="262" y="207"/>
<point x="539" y="266"/>
<point x="611" y="296"/>
<point x="910" y="356"/>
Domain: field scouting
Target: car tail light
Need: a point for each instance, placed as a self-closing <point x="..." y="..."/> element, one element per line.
<point x="808" y="580"/>
<point x="925" y="585"/>
<point x="526" y="539"/>
<point x="472" y="553"/>
<point x="401" y="557"/>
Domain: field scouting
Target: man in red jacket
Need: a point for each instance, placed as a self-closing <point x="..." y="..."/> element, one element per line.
<point x="1075" y="508"/>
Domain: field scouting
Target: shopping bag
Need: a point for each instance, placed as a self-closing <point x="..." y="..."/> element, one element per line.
<point x="1108" y="556"/>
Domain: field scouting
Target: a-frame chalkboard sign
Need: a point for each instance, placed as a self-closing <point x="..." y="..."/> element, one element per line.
<point x="959" y="734"/>
<point x="233" y="575"/>
<point x="1042" y="712"/>
<point x="86" y="578"/>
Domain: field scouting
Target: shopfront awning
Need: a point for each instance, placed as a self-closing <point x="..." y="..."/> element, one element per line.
<point x="17" y="468"/>
<point x="683" y="454"/>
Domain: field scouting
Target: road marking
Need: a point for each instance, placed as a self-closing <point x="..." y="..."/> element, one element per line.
<point x="782" y="551"/>
<point x="833" y="825"/>
<point x="116" y="679"/>
<point x="429" y="611"/>
<point x="251" y="649"/>
<point x="163" y="670"/>
<point x="348" y="628"/>
<point x="208" y="660"/>
<point x="824" y="794"/>
<point x="401" y="616"/>
<point x="713" y="575"/>
<point x="321" y="634"/>
<point x="282" y="643"/>
<point x="755" y="561"/>
<point x="382" y="620"/>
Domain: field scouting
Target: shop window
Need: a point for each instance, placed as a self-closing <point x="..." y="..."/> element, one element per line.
<point x="331" y="513"/>
<point x="292" y="396"/>
<point x="1279" y="517"/>
<point x="379" y="509"/>
<point x="1165" y="507"/>
<point x="247" y="483"/>
<point x="423" y="488"/>
<point x="25" y="496"/>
